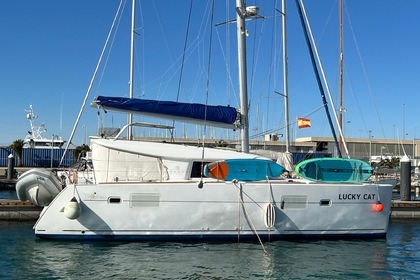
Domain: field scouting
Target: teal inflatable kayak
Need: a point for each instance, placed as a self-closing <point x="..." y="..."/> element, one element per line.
<point x="333" y="170"/>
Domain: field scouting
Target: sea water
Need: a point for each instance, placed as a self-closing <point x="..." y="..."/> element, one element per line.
<point x="23" y="256"/>
<point x="8" y="194"/>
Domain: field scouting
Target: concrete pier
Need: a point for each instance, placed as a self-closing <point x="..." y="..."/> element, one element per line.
<point x="405" y="209"/>
<point x="15" y="210"/>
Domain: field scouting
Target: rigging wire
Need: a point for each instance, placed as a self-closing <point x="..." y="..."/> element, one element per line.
<point x="228" y="54"/>
<point x="226" y="58"/>
<point x="92" y="81"/>
<point x="162" y="82"/>
<point x="185" y="49"/>
<point x="269" y="131"/>
<point x="109" y="50"/>
<point x="200" y="185"/>
<point x="183" y="56"/>
<point x="143" y="65"/>
<point x="255" y="55"/>
<point x="255" y="60"/>
<point x="365" y="73"/>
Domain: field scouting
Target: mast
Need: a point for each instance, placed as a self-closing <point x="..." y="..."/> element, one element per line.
<point x="31" y="117"/>
<point x="341" y="110"/>
<point x="241" y="33"/>
<point x="312" y="51"/>
<point x="285" y="78"/>
<point x="131" y="82"/>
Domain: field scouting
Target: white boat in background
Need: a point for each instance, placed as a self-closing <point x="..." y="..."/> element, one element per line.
<point x="156" y="191"/>
<point x="39" y="186"/>
<point x="35" y="138"/>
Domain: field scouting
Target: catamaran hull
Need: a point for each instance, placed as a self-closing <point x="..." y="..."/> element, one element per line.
<point x="218" y="211"/>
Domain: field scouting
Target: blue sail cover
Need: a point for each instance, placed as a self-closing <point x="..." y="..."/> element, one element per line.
<point x="223" y="116"/>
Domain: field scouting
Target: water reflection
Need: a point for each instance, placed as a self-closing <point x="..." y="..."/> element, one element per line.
<point x="394" y="257"/>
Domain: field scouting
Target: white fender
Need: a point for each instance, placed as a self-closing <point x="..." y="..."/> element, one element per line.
<point x="72" y="210"/>
<point x="270" y="215"/>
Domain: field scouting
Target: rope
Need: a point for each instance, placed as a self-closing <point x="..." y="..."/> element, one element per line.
<point x="235" y="182"/>
<point x="74" y="190"/>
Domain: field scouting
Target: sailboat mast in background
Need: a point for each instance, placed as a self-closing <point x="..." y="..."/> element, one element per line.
<point x="133" y="20"/>
<point x="285" y="78"/>
<point x="340" y="121"/>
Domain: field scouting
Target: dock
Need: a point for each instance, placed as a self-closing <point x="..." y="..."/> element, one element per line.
<point x="405" y="209"/>
<point x="16" y="210"/>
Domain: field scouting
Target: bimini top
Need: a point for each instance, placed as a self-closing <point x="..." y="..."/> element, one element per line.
<point x="221" y="116"/>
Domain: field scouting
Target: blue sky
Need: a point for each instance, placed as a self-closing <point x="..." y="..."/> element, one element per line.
<point x="49" y="50"/>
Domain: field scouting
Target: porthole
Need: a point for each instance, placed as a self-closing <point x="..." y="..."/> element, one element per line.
<point x="114" y="200"/>
<point x="325" y="202"/>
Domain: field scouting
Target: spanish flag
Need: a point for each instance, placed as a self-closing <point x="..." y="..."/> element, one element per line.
<point x="303" y="122"/>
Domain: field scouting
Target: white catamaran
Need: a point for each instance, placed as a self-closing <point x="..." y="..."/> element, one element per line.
<point x="156" y="191"/>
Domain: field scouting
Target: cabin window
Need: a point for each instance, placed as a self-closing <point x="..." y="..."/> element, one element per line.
<point x="325" y="202"/>
<point x="144" y="200"/>
<point x="114" y="200"/>
<point x="294" y="202"/>
<point x="196" y="169"/>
